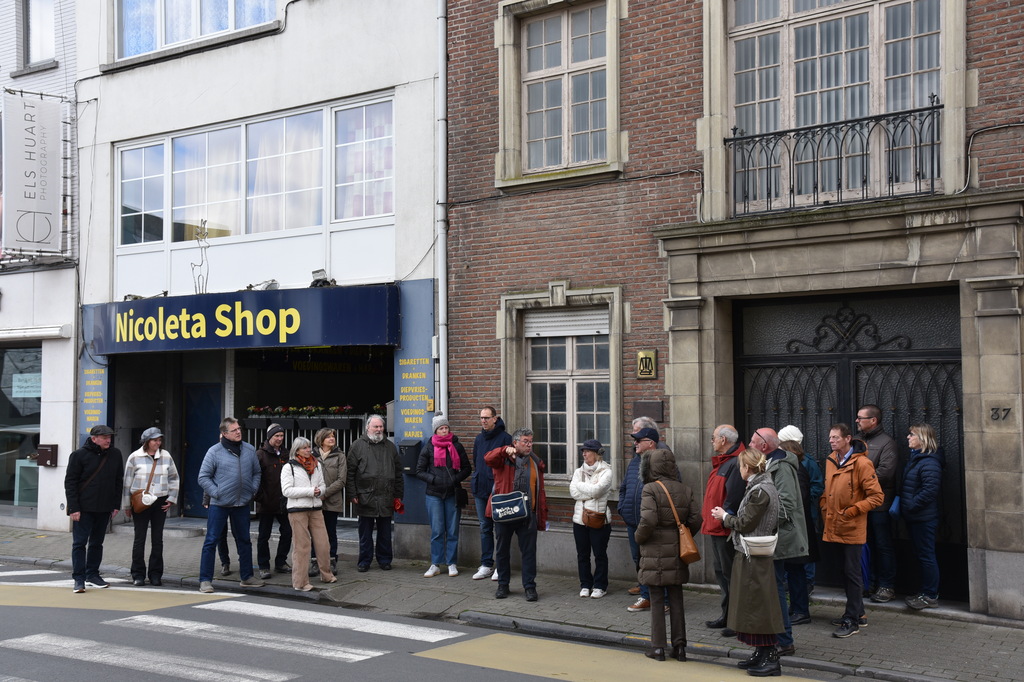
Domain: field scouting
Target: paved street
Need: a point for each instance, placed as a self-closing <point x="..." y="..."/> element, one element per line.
<point x="947" y="643"/>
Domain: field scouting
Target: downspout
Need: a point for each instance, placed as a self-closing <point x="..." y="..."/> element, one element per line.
<point x="441" y="207"/>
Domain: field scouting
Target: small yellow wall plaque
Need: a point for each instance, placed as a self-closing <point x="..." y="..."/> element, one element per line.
<point x="647" y="364"/>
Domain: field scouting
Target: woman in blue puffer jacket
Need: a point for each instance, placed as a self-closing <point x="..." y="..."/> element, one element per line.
<point x="919" y="507"/>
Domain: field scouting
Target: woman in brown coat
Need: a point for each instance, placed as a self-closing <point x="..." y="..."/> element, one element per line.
<point x="658" y="537"/>
<point x="754" y="610"/>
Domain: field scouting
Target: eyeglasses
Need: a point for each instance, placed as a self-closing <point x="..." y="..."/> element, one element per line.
<point x="861" y="419"/>
<point x="234" y="430"/>
<point x="487" y="419"/>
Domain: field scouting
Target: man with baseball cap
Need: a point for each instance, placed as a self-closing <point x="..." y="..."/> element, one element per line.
<point x="92" y="486"/>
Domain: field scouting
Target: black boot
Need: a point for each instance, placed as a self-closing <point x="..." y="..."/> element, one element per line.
<point x="769" y="665"/>
<point x="314" y="568"/>
<point x="334" y="565"/>
<point x="756" y="658"/>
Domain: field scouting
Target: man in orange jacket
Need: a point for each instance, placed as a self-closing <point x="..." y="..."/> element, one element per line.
<point x="851" y="491"/>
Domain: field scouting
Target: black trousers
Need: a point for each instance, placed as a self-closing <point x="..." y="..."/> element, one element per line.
<point x="151" y="520"/>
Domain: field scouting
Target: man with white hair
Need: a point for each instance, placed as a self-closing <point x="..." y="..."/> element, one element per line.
<point x="376" y="488"/>
<point x="724" y="489"/>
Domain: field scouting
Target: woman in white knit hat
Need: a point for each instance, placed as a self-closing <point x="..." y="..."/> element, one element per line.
<point x="443" y="465"/>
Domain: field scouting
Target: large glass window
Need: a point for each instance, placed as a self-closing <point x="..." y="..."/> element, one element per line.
<point x="20" y="404"/>
<point x="570" y="397"/>
<point x="39" y="31"/>
<point x="564" y="88"/>
<point x="260" y="176"/>
<point x="148" y="25"/>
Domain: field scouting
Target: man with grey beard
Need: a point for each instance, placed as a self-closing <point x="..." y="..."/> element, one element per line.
<point x="376" y="487"/>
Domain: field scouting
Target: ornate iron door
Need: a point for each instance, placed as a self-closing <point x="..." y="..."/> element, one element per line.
<point x="813" y="362"/>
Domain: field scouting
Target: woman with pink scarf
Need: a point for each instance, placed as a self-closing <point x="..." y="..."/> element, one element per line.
<point x="443" y="466"/>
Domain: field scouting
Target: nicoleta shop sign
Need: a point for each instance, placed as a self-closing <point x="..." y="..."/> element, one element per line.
<point x="340" y="316"/>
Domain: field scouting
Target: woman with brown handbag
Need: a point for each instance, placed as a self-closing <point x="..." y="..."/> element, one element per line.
<point x="151" y="482"/>
<point x="663" y="500"/>
<point x="591" y="527"/>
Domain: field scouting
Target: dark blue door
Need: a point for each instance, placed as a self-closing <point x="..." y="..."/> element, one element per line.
<point x="202" y="429"/>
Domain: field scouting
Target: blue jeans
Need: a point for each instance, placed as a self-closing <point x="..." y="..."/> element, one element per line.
<point x="592" y="540"/>
<point x="526" y="531"/>
<point x="382" y="524"/>
<point x="785" y="637"/>
<point x="922" y="536"/>
<point x="486" y="533"/>
<point x="796" y="580"/>
<point x="87" y="544"/>
<point x="284" y="544"/>
<point x="216" y="525"/>
<point x="884" y="554"/>
<point x="444" y="529"/>
<point x="634" y="550"/>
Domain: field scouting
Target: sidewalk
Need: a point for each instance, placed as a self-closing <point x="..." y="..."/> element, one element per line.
<point x="948" y="643"/>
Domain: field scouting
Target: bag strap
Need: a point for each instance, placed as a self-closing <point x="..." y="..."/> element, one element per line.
<point x="151" y="472"/>
<point x="670" y="503"/>
<point x="99" y="467"/>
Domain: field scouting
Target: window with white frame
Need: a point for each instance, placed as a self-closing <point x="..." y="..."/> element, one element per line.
<point x="39" y="30"/>
<point x="260" y="176"/>
<point x="149" y="25"/>
<point x="558" y="89"/>
<point x="826" y="63"/>
<point x="565" y="88"/>
<point x="569" y="386"/>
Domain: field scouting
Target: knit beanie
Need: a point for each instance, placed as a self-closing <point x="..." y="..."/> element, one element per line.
<point x="273" y="430"/>
<point x="439" y="421"/>
<point x="791" y="433"/>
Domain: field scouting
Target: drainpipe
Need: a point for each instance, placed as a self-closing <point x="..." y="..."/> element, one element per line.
<point x="441" y="207"/>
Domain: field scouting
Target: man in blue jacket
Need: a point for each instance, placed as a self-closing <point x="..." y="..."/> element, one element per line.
<point x="645" y="439"/>
<point x="230" y="475"/>
<point x="492" y="435"/>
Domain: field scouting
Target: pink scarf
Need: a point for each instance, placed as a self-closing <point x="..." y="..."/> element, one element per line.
<point x="442" y="446"/>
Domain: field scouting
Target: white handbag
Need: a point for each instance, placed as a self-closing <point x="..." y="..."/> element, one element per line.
<point x="759" y="545"/>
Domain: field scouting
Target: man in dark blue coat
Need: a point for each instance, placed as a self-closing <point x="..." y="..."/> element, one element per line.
<point x="492" y="435"/>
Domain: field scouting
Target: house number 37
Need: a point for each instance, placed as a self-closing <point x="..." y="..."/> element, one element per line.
<point x="1000" y="413"/>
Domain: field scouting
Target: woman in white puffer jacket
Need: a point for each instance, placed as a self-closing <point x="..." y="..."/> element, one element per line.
<point x="302" y="482"/>
<point x="591" y="524"/>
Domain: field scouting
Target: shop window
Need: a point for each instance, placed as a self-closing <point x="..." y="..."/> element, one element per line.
<point x="559" y="89"/>
<point x="150" y="25"/>
<point x="260" y="176"/>
<point x="20" y="404"/>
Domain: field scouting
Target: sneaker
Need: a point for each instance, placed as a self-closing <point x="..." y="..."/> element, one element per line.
<point x="265" y="574"/>
<point x="585" y="593"/>
<point x="483" y="572"/>
<point x="432" y="571"/>
<point x="252" y="582"/>
<point x="97" y="581"/>
<point x="283" y="568"/>
<point x="922" y="602"/>
<point x="883" y="595"/>
<point x="597" y="593"/>
<point x="531" y="593"/>
<point x="502" y="592"/>
<point x="225" y="569"/>
<point x="206" y="586"/>
<point x="453" y="570"/>
<point x="494" y="576"/>
<point x="635" y="590"/>
<point x="640" y="604"/>
<point x="846" y="629"/>
<point x="79" y="587"/>
<point x="799" y="618"/>
<point x="861" y="622"/>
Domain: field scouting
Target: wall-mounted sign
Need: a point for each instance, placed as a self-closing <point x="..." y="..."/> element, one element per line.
<point x="31" y="174"/>
<point x="329" y="316"/>
<point x="647" y="364"/>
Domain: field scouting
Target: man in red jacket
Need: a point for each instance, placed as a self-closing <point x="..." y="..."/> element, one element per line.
<point x="515" y="467"/>
<point x="724" y="489"/>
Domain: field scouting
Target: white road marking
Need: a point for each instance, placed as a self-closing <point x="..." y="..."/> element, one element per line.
<point x="331" y="620"/>
<point x="143" y="660"/>
<point x="246" y="637"/>
<point x="115" y="584"/>
<point x="11" y="574"/>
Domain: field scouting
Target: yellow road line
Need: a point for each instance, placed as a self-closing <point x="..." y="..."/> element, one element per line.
<point x="106" y="600"/>
<point x="578" y="662"/>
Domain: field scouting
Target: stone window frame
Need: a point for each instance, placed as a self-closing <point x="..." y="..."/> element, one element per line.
<point x="515" y="358"/>
<point x="509" y="167"/>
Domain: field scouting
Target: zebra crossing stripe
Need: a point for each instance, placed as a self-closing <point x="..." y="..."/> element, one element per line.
<point x="246" y="637"/>
<point x="11" y="574"/>
<point x="143" y="660"/>
<point x="331" y="620"/>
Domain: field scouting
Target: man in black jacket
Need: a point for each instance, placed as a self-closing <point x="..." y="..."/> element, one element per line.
<point x="92" y="485"/>
<point x="492" y="435"/>
<point x="270" y="505"/>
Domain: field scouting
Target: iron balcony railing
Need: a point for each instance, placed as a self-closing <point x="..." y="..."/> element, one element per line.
<point x="863" y="159"/>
